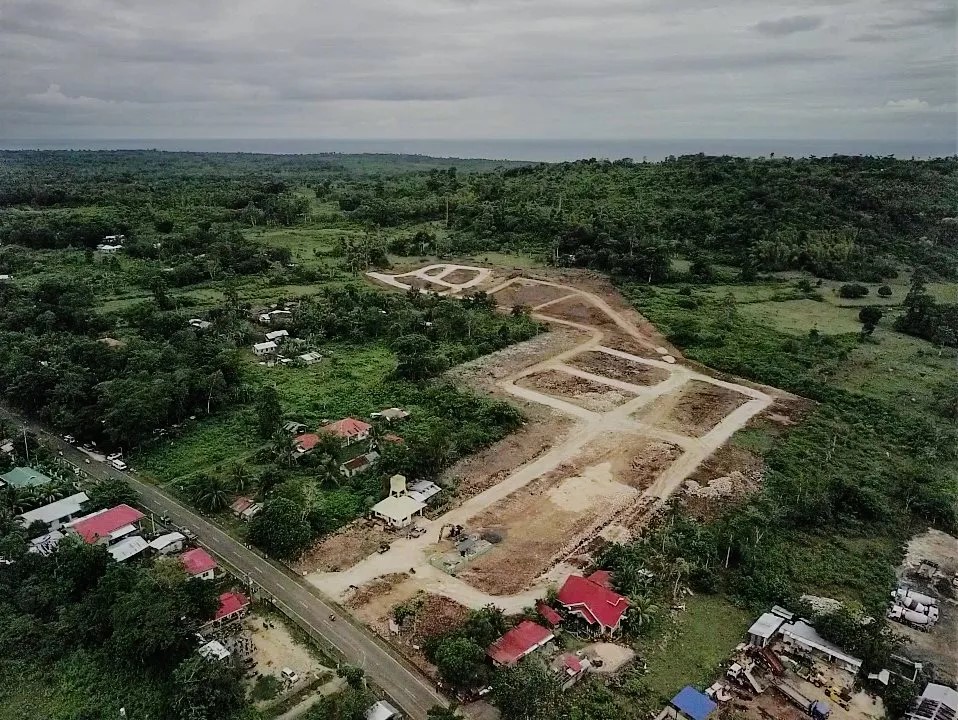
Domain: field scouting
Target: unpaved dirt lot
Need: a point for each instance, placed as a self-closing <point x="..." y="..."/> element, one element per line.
<point x="579" y="310"/>
<point x="275" y="648"/>
<point x="580" y="391"/>
<point x="936" y="647"/>
<point x="725" y="479"/>
<point x="612" y="366"/>
<point x="539" y="520"/>
<point x="471" y="475"/>
<point x="699" y="408"/>
<point x="460" y="276"/>
<point x="528" y="292"/>
<point x="641" y="460"/>
<point x="421" y="284"/>
<point x="344" y="548"/>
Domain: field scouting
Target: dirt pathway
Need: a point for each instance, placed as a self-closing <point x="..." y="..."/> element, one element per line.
<point x="413" y="553"/>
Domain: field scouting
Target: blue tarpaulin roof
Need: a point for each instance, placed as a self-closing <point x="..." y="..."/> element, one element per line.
<point x="691" y="702"/>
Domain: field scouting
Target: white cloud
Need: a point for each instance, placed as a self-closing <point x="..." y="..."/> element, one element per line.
<point x="909" y="105"/>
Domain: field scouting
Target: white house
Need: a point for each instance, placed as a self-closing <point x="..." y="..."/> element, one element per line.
<point x="274" y="316"/>
<point x="381" y="710"/>
<point x="277" y="336"/>
<point x="399" y="509"/>
<point x="108" y="249"/>
<point x="310" y="358"/>
<point x="56" y="514"/>
<point x="127" y="548"/>
<point x="199" y="323"/>
<point x="172" y="542"/>
<point x="264" y="348"/>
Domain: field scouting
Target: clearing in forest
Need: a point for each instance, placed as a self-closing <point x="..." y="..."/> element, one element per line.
<point x="637" y="423"/>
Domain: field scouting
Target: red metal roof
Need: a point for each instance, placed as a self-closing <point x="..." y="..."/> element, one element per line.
<point x="597" y="604"/>
<point x="393" y="438"/>
<point x="357" y="462"/>
<point x="573" y="663"/>
<point x="306" y="441"/>
<point x="548" y="614"/>
<point x="241" y="504"/>
<point x="347" y="428"/>
<point x="101" y="525"/>
<point x="197" y="561"/>
<point x="230" y="602"/>
<point x="518" y="642"/>
<point x="602" y="577"/>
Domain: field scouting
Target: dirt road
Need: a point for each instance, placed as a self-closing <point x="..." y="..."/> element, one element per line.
<point x="625" y="420"/>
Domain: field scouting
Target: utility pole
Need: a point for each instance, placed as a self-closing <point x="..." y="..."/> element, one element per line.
<point x="26" y="447"/>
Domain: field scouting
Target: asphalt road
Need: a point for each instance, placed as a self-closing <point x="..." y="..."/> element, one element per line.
<point x="412" y="692"/>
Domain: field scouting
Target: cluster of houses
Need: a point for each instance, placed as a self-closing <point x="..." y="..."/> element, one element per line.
<point x="348" y="432"/>
<point x="590" y="608"/>
<point x="121" y="530"/>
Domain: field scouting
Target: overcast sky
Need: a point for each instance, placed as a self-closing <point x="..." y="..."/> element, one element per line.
<point x="873" y="69"/>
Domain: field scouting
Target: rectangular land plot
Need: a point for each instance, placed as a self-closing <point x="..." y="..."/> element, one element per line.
<point x="528" y="292"/>
<point x="618" y="368"/>
<point x="695" y="410"/>
<point x="585" y="393"/>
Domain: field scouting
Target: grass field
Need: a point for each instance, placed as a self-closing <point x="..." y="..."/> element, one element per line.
<point x="690" y="648"/>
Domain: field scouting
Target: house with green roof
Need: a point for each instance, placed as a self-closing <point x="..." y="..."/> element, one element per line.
<point x="21" y="477"/>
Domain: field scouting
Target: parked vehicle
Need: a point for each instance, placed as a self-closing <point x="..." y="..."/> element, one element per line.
<point x="118" y="465"/>
<point x="69" y="439"/>
<point x="289" y="676"/>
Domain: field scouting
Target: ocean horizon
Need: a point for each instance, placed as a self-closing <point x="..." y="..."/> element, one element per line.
<point x="518" y="149"/>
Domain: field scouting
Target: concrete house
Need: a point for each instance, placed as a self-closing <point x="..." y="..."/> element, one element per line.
<point x="107" y="527"/>
<point x="348" y="430"/>
<point x="264" y="348"/>
<point x="601" y="608"/>
<point x="277" y="336"/>
<point x="56" y="514"/>
<point x="199" y="564"/>
<point x="399" y="509"/>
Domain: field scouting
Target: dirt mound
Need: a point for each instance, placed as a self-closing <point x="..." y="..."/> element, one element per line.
<point x="437" y="615"/>
<point x="585" y="393"/>
<point x="529" y="292"/>
<point x="375" y="589"/>
<point x="617" y="368"/>
<point x="639" y="465"/>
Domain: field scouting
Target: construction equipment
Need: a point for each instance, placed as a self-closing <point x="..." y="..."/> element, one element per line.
<point x="816" y="709"/>
<point x="840" y="696"/>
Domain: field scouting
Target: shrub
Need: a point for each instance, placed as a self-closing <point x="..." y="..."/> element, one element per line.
<point x="884" y="291"/>
<point x="852" y="291"/>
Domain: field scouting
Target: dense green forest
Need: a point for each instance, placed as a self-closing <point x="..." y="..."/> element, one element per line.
<point x="832" y="278"/>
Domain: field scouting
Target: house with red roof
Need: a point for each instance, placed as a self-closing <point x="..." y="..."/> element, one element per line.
<point x="570" y="668"/>
<point x="552" y="618"/>
<point x="305" y="443"/>
<point x="232" y="606"/>
<point x="106" y="527"/>
<point x="199" y="564"/>
<point x="601" y="608"/>
<point x="603" y="578"/>
<point x="524" y="638"/>
<point x="348" y="430"/>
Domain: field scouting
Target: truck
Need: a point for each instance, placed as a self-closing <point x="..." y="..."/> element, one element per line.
<point x="815" y="709"/>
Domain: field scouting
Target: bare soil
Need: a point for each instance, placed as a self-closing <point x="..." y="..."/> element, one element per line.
<point x="579" y="310"/>
<point x="580" y="391"/>
<point x="641" y="461"/>
<point x="420" y="284"/>
<point x="528" y="292"/>
<point x="275" y="648"/>
<point x="483" y="373"/>
<point x="460" y="276"/>
<point x="542" y="519"/>
<point x="726" y="478"/>
<point x="471" y="475"/>
<point x="612" y="366"/>
<point x="344" y="548"/>
<point x="700" y="407"/>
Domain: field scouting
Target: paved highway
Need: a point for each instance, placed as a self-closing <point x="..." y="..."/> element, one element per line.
<point x="407" y="687"/>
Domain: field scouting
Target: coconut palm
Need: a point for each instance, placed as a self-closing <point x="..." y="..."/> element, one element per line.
<point x="642" y="611"/>
<point x="210" y="493"/>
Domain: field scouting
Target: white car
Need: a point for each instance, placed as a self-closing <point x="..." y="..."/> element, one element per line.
<point x="69" y="439"/>
<point x="289" y="676"/>
<point x="118" y="465"/>
<point x="114" y="456"/>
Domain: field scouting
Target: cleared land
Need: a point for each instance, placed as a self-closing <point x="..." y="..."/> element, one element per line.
<point x="617" y="368"/>
<point x="530" y="293"/>
<point x="583" y="392"/>
<point x="696" y="410"/>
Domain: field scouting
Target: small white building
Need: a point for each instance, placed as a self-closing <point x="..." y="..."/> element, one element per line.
<point x="56" y="514"/>
<point x="200" y="324"/>
<point x="273" y="316"/>
<point x="264" y="348"/>
<point x="108" y="248"/>
<point x="399" y="509"/>
<point x="423" y="490"/>
<point x="310" y="358"/>
<point x="390" y="414"/>
<point x="277" y="336"/>
<point x="169" y="543"/>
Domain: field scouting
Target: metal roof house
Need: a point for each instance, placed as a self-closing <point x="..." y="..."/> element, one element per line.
<point x="689" y="704"/>
<point x="21" y="477"/>
<point x="106" y="527"/>
<point x="127" y="548"/>
<point x="523" y="639"/>
<point x="937" y="702"/>
<point x="803" y="635"/>
<point x="56" y="514"/>
<point x="264" y="348"/>
<point x="764" y="629"/>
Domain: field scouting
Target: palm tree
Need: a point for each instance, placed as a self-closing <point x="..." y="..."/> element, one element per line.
<point x="210" y="493"/>
<point x="642" y="611"/>
<point x="327" y="468"/>
<point x="239" y="476"/>
<point x="281" y="447"/>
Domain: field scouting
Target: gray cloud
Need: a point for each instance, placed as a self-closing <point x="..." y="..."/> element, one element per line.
<point x="476" y="68"/>
<point x="789" y="25"/>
